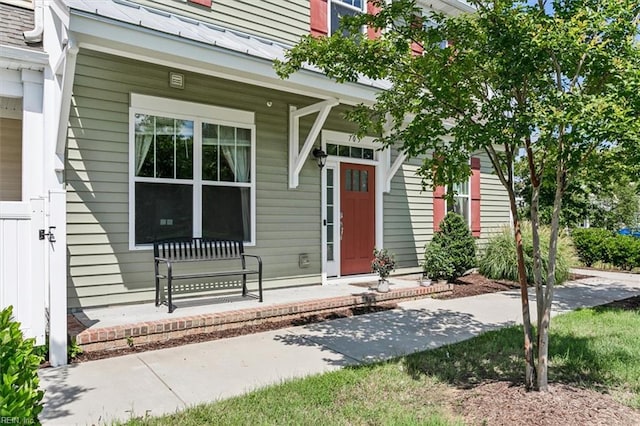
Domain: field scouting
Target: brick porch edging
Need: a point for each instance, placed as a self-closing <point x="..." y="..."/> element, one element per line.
<point x="117" y="337"/>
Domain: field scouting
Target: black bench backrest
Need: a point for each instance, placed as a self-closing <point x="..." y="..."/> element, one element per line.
<point x="198" y="249"/>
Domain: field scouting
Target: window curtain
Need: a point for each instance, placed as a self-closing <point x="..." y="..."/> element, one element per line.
<point x="143" y="143"/>
<point x="239" y="159"/>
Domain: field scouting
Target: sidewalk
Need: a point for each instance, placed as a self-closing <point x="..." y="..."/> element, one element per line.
<point x="163" y="381"/>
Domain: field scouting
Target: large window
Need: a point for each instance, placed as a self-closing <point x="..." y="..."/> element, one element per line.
<point x="192" y="172"/>
<point x="339" y="8"/>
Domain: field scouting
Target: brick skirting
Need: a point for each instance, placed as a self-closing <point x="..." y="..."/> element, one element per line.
<point x="98" y="339"/>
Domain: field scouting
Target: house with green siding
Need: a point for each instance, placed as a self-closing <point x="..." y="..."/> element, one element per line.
<point x="174" y="124"/>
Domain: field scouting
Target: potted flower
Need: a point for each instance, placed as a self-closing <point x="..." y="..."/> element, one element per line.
<point x="383" y="263"/>
<point x="437" y="264"/>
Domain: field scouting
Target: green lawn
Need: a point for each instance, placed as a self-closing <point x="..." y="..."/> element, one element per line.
<point x="594" y="348"/>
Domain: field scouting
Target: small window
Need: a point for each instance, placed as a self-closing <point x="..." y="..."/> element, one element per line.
<point x="462" y="200"/>
<point x="340" y="8"/>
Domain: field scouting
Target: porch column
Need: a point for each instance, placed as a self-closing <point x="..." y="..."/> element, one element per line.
<point x="58" y="278"/>
<point x="32" y="134"/>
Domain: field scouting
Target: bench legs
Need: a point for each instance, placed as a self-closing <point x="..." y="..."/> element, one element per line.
<point x="155" y="267"/>
<point x="169" y="279"/>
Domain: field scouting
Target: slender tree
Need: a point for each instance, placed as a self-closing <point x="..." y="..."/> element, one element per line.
<point x="556" y="80"/>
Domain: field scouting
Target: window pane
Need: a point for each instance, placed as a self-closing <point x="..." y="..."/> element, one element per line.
<point x="184" y="149"/>
<point x="330" y="214"/>
<point x="330" y="233"/>
<point x="144" y="146"/>
<point x="356" y="152"/>
<point x="165" y="147"/>
<point x="228" y="153"/>
<point x="210" y="151"/>
<point x="364" y="182"/>
<point x="330" y="251"/>
<point x="243" y="163"/>
<point x="337" y="11"/>
<point x="356" y="181"/>
<point x="343" y="151"/>
<point x="330" y="196"/>
<point x="226" y="212"/>
<point x="163" y="211"/>
<point x="347" y="180"/>
<point x="332" y="149"/>
<point x="461" y="206"/>
<point x="330" y="177"/>
<point x="367" y="154"/>
<point x="461" y="188"/>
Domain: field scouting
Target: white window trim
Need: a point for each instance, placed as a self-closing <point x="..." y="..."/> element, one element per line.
<point x="363" y="9"/>
<point x="468" y="197"/>
<point x="199" y="114"/>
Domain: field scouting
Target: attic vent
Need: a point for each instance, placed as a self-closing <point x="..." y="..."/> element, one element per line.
<point x="176" y="80"/>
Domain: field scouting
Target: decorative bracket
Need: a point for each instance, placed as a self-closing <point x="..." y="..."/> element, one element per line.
<point x="393" y="169"/>
<point x="298" y="156"/>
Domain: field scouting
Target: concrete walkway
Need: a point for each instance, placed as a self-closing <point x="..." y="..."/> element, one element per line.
<point x="163" y="381"/>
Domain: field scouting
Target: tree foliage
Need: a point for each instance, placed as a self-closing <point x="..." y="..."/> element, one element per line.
<point x="557" y="79"/>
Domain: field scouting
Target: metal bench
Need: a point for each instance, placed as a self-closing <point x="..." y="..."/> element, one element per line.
<point x="171" y="252"/>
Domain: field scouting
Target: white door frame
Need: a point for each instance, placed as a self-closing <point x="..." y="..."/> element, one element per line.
<point x="331" y="269"/>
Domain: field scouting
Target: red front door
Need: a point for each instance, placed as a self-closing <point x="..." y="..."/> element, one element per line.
<point x="357" y="203"/>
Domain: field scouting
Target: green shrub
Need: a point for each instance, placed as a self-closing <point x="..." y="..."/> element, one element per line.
<point x="500" y="260"/>
<point x="437" y="263"/>
<point x="458" y="243"/>
<point x="623" y="251"/>
<point x="591" y="244"/>
<point x="19" y="394"/>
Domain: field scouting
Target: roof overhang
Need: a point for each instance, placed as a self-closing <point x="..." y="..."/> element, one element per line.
<point x="200" y="48"/>
<point x="16" y="58"/>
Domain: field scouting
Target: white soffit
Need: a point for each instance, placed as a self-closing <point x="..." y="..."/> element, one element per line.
<point x="119" y="26"/>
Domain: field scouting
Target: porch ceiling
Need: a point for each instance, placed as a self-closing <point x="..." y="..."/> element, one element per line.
<point x="139" y="32"/>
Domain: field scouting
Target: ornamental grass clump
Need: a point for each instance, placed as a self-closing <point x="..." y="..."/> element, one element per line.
<point x="499" y="261"/>
<point x="383" y="263"/>
<point x="20" y="397"/>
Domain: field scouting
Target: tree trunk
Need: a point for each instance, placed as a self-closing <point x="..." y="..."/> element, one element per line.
<point x="530" y="369"/>
<point x="545" y="321"/>
<point x="537" y="269"/>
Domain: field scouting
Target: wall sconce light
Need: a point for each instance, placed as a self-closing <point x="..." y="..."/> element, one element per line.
<point x="320" y="156"/>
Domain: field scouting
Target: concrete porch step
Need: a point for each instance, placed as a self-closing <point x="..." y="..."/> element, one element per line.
<point x="97" y="338"/>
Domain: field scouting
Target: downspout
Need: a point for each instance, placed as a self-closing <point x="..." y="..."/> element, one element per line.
<point x="65" y="101"/>
<point x="35" y="35"/>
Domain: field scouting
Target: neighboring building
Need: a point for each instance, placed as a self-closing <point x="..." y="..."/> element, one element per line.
<point x="32" y="199"/>
<point x="175" y="124"/>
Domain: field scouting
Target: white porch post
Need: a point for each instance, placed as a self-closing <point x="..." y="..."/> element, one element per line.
<point x="32" y="134"/>
<point x="58" y="278"/>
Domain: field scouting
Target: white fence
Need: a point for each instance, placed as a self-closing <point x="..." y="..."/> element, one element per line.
<point x="22" y="265"/>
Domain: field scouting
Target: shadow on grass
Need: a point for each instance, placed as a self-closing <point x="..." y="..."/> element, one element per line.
<point x="594" y="360"/>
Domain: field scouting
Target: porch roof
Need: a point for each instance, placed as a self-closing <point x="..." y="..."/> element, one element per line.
<point x="145" y="33"/>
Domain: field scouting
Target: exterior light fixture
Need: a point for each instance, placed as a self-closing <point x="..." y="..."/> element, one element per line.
<point x="320" y="156"/>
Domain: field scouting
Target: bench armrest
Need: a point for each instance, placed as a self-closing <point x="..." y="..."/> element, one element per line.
<point x="258" y="258"/>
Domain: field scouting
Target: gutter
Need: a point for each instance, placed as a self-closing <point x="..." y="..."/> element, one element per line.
<point x="35" y="35"/>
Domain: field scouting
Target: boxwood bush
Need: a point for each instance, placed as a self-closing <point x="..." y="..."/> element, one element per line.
<point x="499" y="261"/>
<point x="591" y="244"/>
<point x="20" y="397"/>
<point x="623" y="251"/>
<point x="599" y="245"/>
<point x="455" y="238"/>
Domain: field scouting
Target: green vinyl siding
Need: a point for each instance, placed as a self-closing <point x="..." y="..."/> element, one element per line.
<point x="282" y="20"/>
<point x="102" y="269"/>
<point x="408" y="211"/>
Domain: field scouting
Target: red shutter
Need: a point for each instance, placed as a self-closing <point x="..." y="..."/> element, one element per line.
<point x="319" y="24"/>
<point x="372" y="9"/>
<point x="206" y="3"/>
<point x="475" y="196"/>
<point x="439" y="207"/>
